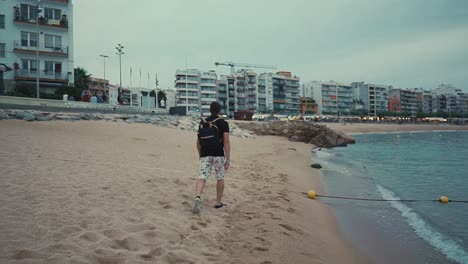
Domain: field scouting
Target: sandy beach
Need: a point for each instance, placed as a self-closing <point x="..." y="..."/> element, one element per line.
<point x="105" y="192"/>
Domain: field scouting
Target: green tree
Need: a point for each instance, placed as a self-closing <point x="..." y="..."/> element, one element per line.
<point x="82" y="79"/>
<point x="161" y="96"/>
<point x="70" y="90"/>
<point x="23" y="89"/>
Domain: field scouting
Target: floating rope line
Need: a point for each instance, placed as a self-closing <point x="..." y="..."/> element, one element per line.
<point x="442" y="199"/>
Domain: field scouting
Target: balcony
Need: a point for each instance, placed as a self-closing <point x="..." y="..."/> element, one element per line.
<point x="61" y="51"/>
<point x="51" y="77"/>
<point x="61" y="24"/>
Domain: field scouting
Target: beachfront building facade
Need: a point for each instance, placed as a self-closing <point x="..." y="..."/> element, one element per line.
<point x="331" y="97"/>
<point x="243" y="90"/>
<point x="208" y="93"/>
<point x="222" y="94"/>
<point x="187" y="85"/>
<point x="170" y="98"/>
<point x="308" y="106"/>
<point x="282" y="92"/>
<point x="37" y="42"/>
<point x="371" y="97"/>
<point x="404" y="101"/>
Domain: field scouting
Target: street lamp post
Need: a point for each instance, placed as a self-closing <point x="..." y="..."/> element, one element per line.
<point x="38" y="10"/>
<point x="120" y="52"/>
<point x="104" y="57"/>
<point x="156" y="92"/>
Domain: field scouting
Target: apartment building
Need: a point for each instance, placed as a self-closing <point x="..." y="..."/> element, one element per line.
<point x="371" y="97"/>
<point x="331" y="97"/>
<point x="243" y="90"/>
<point x="187" y="85"/>
<point x="282" y="92"/>
<point x="37" y="43"/>
<point x="406" y="100"/>
<point x="208" y="92"/>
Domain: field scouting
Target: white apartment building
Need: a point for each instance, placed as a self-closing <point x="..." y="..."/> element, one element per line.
<point x="281" y="92"/>
<point x="222" y="95"/>
<point x="244" y="90"/>
<point x="208" y="93"/>
<point x="405" y="101"/>
<point x="187" y="85"/>
<point x="373" y="97"/>
<point x="170" y="98"/>
<point x="331" y="97"/>
<point x="36" y="38"/>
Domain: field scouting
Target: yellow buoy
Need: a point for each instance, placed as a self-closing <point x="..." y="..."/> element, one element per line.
<point x="311" y="194"/>
<point x="443" y="199"/>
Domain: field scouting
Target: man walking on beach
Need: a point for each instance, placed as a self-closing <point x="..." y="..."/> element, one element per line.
<point x="214" y="151"/>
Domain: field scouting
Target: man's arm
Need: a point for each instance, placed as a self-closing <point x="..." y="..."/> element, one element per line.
<point x="227" y="150"/>
<point x="198" y="148"/>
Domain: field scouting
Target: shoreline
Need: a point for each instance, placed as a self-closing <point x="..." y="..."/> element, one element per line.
<point x="111" y="191"/>
<point x="365" y="128"/>
<point x="345" y="215"/>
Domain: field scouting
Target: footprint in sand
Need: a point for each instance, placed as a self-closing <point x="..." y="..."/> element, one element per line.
<point x="263" y="249"/>
<point x="157" y="252"/>
<point x="128" y="243"/>
<point x="114" y="233"/>
<point x="180" y="183"/>
<point x="141" y="227"/>
<point x="90" y="237"/>
<point x="28" y="254"/>
<point x="290" y="228"/>
<point x="165" y="204"/>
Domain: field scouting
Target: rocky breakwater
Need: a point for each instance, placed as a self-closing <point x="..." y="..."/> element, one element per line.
<point x="177" y="122"/>
<point x="300" y="131"/>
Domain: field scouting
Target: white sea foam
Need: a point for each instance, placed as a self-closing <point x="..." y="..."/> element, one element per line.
<point x="442" y="243"/>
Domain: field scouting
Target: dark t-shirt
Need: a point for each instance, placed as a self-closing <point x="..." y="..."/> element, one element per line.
<point x="223" y="127"/>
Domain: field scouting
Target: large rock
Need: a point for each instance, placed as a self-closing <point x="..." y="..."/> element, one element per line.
<point x="88" y="116"/>
<point x="4" y="115"/>
<point x="308" y="132"/>
<point x="41" y="117"/>
<point x="25" y="115"/>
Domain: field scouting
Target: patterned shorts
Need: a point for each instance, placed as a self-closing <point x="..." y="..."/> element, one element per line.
<point x="206" y="163"/>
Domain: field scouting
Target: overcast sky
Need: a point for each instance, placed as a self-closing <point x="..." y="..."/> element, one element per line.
<point x="404" y="43"/>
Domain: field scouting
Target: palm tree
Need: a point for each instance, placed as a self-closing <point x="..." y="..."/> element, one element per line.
<point x="82" y="79"/>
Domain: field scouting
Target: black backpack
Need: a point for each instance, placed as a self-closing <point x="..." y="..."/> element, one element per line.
<point x="208" y="134"/>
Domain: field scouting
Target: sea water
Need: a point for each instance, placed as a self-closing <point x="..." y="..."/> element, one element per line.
<point x="393" y="166"/>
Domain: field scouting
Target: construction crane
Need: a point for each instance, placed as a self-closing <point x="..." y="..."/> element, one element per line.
<point x="243" y="65"/>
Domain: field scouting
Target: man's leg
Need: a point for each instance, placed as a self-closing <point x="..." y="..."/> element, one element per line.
<point x="219" y="191"/>
<point x="219" y="168"/>
<point x="199" y="185"/>
<point x="205" y="171"/>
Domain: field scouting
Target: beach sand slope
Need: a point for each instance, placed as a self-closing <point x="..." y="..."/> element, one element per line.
<point x="103" y="192"/>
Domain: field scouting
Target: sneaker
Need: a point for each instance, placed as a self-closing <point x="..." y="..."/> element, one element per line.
<point x="196" y="206"/>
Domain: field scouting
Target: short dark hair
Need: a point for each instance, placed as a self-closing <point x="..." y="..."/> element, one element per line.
<point x="215" y="108"/>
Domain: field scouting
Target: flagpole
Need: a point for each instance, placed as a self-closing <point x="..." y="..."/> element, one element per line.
<point x="147" y="94"/>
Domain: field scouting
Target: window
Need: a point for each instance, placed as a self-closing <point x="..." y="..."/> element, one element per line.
<point x="30" y="65"/>
<point x="28" y="12"/>
<point x="28" y="39"/>
<point x="53" y="42"/>
<point x="52" y="13"/>
<point x="2" y="50"/>
<point x="2" y="21"/>
<point x="51" y="67"/>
